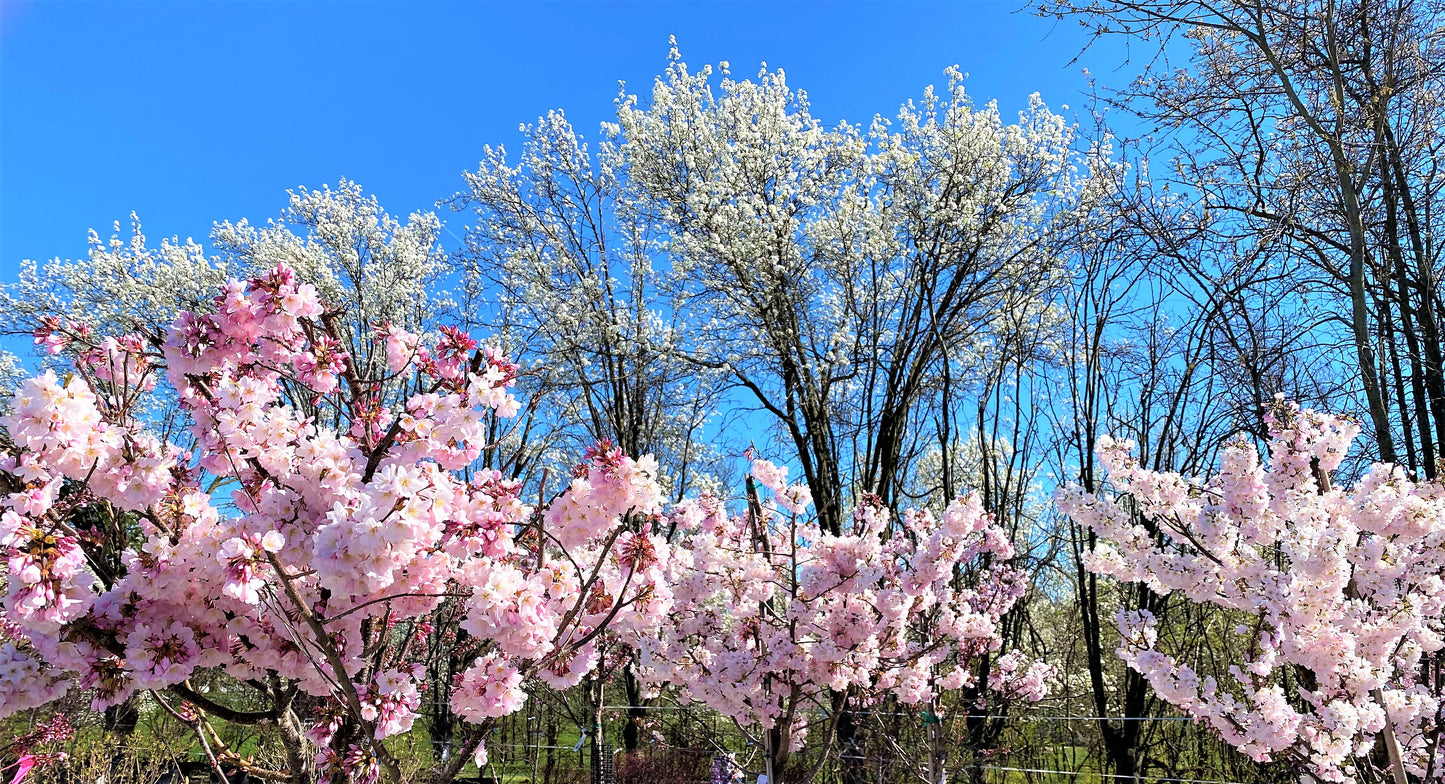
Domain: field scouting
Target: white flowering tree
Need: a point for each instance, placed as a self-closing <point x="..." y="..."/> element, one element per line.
<point x="834" y="273"/>
<point x="561" y="257"/>
<point x="341" y="241"/>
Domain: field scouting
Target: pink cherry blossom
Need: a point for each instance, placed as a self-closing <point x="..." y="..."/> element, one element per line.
<point x="347" y="512"/>
<point x="770" y="613"/>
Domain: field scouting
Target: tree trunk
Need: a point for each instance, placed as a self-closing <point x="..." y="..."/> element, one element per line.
<point x="120" y="720"/>
<point x="549" y="770"/>
<point x="852" y="766"/>
<point x="636" y="712"/>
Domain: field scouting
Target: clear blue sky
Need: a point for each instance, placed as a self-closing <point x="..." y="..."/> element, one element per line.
<point x="189" y="113"/>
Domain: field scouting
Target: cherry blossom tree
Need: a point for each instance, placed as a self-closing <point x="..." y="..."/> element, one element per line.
<point x="773" y="615"/>
<point x="301" y="551"/>
<point x="1336" y="593"/>
<point x="367" y="265"/>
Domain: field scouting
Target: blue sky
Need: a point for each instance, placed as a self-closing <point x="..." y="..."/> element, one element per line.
<point x="189" y="113"/>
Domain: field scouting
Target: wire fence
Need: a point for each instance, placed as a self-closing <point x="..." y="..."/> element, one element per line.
<point x="966" y="768"/>
<point x="562" y="739"/>
<point x="1055" y="753"/>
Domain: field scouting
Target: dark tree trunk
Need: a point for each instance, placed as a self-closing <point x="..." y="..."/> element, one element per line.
<point x="636" y="712"/>
<point x="853" y="768"/>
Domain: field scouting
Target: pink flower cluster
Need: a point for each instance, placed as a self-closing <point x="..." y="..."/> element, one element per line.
<point x="491" y="687"/>
<point x="392" y="700"/>
<point x="25" y="681"/>
<point x="48" y="581"/>
<point x="607" y="485"/>
<point x="1343" y="585"/>
<point x="243" y="559"/>
<point x="1019" y="679"/>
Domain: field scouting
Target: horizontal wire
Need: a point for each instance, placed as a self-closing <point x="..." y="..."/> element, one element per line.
<point x="1023" y="718"/>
